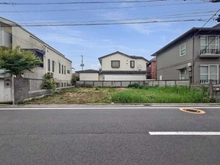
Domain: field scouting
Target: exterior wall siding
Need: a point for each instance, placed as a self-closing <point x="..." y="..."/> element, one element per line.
<point x="115" y="77"/>
<point x="169" y="61"/>
<point x="171" y="74"/>
<point x="37" y="73"/>
<point x="89" y="76"/>
<point x="62" y="76"/>
<point x="140" y="64"/>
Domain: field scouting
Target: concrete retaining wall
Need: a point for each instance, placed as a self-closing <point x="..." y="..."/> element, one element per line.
<point x="42" y="92"/>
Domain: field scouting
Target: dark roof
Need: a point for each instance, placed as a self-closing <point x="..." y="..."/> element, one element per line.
<point x="133" y="57"/>
<point x="153" y="59"/>
<point x="216" y="26"/>
<point x="124" y="72"/>
<point x="191" y="32"/>
<point x="87" y="71"/>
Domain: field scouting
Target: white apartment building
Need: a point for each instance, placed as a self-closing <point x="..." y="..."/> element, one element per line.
<point x="54" y="62"/>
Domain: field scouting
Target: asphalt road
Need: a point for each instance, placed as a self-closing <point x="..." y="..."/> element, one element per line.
<point x="108" y="136"/>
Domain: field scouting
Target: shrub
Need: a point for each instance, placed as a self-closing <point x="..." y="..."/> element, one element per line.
<point x="48" y="82"/>
<point x="135" y="85"/>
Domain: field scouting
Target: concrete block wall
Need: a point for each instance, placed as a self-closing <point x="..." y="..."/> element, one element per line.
<point x="21" y="88"/>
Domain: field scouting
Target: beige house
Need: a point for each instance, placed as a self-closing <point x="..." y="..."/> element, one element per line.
<point x="54" y="62"/>
<point x="117" y="66"/>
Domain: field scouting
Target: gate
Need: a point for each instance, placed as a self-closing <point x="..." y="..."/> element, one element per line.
<point x="5" y="90"/>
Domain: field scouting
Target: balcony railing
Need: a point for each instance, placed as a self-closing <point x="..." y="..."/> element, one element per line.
<point x="210" y="51"/>
<point x="207" y="81"/>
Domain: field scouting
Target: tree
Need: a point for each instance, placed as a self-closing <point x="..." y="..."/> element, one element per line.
<point x="74" y="79"/>
<point x="15" y="61"/>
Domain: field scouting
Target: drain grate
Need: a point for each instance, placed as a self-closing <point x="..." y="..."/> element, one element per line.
<point x="192" y="110"/>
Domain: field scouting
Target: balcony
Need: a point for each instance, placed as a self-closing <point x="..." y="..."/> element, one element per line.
<point x="210" y="53"/>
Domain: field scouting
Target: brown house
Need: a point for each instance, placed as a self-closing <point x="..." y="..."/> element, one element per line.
<point x="152" y="69"/>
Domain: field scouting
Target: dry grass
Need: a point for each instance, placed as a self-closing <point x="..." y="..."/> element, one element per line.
<point x="77" y="96"/>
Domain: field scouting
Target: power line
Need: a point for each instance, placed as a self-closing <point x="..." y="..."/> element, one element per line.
<point x="91" y="2"/>
<point x="169" y="16"/>
<point x="107" y="23"/>
<point x="68" y="3"/>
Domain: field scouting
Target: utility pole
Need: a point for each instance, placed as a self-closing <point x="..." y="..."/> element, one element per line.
<point x="82" y="65"/>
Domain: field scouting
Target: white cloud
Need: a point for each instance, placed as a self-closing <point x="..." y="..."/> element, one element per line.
<point x="140" y="28"/>
<point x="95" y="66"/>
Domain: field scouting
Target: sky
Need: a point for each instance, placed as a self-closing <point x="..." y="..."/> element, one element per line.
<point x="94" y="28"/>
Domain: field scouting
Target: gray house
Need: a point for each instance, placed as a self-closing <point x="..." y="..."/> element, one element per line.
<point x="194" y="56"/>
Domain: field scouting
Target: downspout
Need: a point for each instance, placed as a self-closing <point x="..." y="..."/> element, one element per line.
<point x="45" y="59"/>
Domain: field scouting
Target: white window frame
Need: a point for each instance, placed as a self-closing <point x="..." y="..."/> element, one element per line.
<point x="182" y="49"/>
<point x="132" y="63"/>
<point x="209" y="73"/>
<point x="207" y="46"/>
<point x="182" y="74"/>
<point x="114" y="62"/>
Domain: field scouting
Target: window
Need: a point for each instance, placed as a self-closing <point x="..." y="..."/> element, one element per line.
<point x="183" y="49"/>
<point x="59" y="68"/>
<point x="208" y="72"/>
<point x="48" y="61"/>
<point x="132" y="63"/>
<point x="68" y="71"/>
<point x="41" y="56"/>
<point x="62" y="69"/>
<point x="115" y="64"/>
<point x="53" y="64"/>
<point x="209" y="44"/>
<point x="182" y="74"/>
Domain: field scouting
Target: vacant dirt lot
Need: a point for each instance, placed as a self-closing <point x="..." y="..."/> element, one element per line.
<point x="78" y="96"/>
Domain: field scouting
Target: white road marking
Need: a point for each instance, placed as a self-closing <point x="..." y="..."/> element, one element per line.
<point x="96" y="107"/>
<point x="84" y="108"/>
<point x="185" y="133"/>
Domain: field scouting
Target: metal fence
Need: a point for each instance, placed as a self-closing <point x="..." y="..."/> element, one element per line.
<point x="126" y="83"/>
